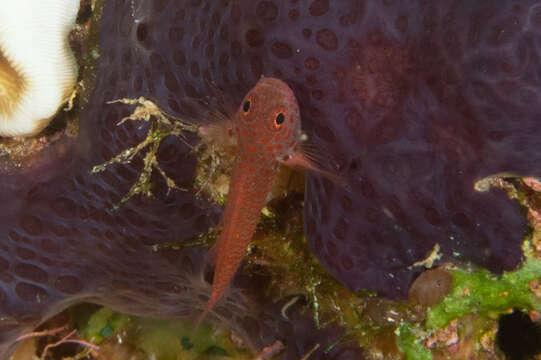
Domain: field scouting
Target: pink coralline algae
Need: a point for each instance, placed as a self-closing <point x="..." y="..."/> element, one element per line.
<point x="411" y="102"/>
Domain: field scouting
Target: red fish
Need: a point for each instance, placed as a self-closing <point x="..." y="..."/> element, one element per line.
<point x="268" y="129"/>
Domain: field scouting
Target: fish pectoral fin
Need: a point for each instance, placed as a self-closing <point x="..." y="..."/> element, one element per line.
<point x="307" y="160"/>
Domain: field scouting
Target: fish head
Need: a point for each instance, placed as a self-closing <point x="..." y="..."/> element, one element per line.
<point x="268" y="120"/>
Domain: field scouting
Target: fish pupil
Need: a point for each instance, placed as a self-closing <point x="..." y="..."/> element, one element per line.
<point x="246" y="106"/>
<point x="280" y="118"/>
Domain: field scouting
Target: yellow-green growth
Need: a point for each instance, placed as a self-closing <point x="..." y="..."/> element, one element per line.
<point x="161" y="339"/>
<point x="295" y="273"/>
<point x="485" y="294"/>
<point x="101" y="324"/>
<point x="411" y="345"/>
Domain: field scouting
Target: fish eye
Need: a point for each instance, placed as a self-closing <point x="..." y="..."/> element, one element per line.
<point x="280" y="119"/>
<point x="246" y="106"/>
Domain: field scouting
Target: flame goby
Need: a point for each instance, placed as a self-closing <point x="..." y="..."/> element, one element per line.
<point x="267" y="127"/>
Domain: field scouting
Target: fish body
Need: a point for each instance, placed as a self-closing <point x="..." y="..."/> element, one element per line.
<point x="267" y="128"/>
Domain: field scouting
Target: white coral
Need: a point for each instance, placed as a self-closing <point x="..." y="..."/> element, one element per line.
<point x="37" y="68"/>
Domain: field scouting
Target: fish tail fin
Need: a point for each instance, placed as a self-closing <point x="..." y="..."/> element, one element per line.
<point x="214" y="297"/>
<point x="201" y="318"/>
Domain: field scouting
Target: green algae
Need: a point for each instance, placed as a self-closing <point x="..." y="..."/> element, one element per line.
<point x="296" y="273"/>
<point x="102" y="324"/>
<point x="482" y="293"/>
<point x="160" y="339"/>
<point x="410" y="344"/>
